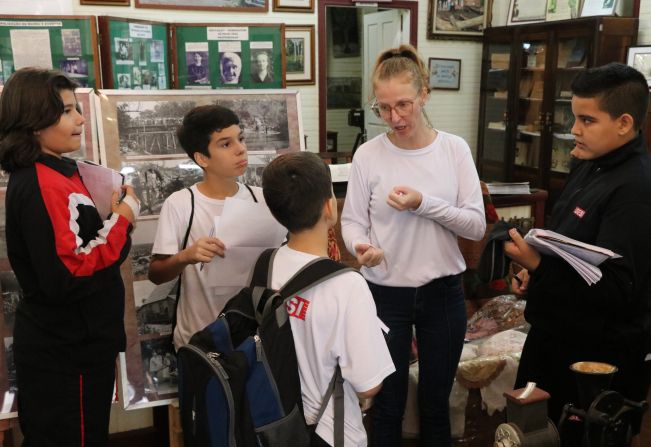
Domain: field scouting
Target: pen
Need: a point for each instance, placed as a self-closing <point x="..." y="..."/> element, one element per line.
<point x="211" y="234"/>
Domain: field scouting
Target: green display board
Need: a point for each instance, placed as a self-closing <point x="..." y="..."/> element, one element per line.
<point x="67" y="43"/>
<point x="137" y="56"/>
<point x="228" y="56"/>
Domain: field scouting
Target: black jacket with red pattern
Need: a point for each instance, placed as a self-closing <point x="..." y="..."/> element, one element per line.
<point x="67" y="262"/>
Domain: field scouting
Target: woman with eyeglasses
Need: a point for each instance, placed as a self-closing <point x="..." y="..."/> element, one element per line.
<point x="411" y="192"/>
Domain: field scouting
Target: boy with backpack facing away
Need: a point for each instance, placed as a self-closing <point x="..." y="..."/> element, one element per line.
<point x="212" y="137"/>
<point x="334" y="322"/>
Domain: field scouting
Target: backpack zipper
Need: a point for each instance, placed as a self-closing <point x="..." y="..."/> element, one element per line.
<point x="211" y="359"/>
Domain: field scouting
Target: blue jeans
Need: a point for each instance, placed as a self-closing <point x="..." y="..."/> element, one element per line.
<point x="437" y="310"/>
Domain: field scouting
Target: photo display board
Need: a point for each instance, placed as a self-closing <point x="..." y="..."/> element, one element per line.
<point x="136" y="56"/>
<point x="228" y="56"/>
<point x="66" y="43"/>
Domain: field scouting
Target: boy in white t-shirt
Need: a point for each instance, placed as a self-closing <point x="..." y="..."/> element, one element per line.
<point x="212" y="137"/>
<point x="334" y="321"/>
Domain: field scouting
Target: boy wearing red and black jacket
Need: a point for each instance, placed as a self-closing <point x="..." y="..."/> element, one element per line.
<point x="69" y="323"/>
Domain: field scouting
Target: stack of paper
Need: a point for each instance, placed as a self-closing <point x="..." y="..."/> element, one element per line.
<point x="100" y="182"/>
<point x="583" y="257"/>
<point x="508" y="188"/>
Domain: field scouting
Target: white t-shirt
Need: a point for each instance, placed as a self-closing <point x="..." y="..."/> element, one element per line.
<point x="200" y="302"/>
<point x="419" y="245"/>
<point x="334" y="321"/>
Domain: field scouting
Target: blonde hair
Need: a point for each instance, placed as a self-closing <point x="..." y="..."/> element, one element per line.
<point x="400" y="61"/>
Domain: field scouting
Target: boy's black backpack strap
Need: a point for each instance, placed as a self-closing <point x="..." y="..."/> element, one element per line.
<point x="258" y="284"/>
<point x="336" y="388"/>
<point x="185" y="244"/>
<point x="255" y="199"/>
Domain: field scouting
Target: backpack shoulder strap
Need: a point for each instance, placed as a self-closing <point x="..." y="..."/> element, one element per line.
<point x="255" y="199"/>
<point x="336" y="389"/>
<point x="311" y="274"/>
<point x="185" y="244"/>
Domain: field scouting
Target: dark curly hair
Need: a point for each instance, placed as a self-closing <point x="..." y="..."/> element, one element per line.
<point x="30" y="101"/>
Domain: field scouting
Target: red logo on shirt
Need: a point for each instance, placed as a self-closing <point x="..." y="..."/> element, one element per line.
<point x="297" y="307"/>
<point x="578" y="212"/>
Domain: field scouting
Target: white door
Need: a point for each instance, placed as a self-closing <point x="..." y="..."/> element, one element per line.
<point x="382" y="30"/>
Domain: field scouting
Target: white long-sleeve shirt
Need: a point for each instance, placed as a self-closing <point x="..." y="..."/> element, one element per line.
<point x="419" y="245"/>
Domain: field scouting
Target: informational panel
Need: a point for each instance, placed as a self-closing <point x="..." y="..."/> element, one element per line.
<point x="134" y="54"/>
<point x="228" y="56"/>
<point x="138" y="137"/>
<point x="66" y="43"/>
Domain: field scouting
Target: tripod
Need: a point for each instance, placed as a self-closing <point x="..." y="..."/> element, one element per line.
<point x="361" y="139"/>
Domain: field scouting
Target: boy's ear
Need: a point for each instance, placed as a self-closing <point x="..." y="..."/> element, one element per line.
<point x="626" y="124"/>
<point x="329" y="211"/>
<point x="200" y="159"/>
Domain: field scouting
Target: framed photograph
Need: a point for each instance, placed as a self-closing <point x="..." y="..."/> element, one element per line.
<point x="344" y="92"/>
<point x="211" y="5"/>
<point x="444" y="74"/>
<point x="527" y="11"/>
<point x="562" y="10"/>
<point x="456" y="20"/>
<point x="293" y="5"/>
<point x="598" y="8"/>
<point x="344" y="32"/>
<point x="640" y="59"/>
<point x="299" y="55"/>
<point x="106" y="2"/>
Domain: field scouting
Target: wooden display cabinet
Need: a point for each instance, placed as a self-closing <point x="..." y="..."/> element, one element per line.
<point x="525" y="115"/>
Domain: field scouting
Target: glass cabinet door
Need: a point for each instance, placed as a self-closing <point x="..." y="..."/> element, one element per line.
<point x="572" y="57"/>
<point x="530" y="119"/>
<point x="495" y="100"/>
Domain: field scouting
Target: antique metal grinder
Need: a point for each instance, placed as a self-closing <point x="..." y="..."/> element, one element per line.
<point x="527" y="422"/>
<point x="603" y="418"/>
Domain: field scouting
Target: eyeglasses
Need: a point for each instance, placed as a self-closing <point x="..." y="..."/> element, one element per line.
<point x="402" y="108"/>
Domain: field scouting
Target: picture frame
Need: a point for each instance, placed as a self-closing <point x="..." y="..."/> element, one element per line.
<point x="527" y="11"/>
<point x="598" y="8"/>
<point x="444" y="74"/>
<point x="299" y="55"/>
<point x="467" y="24"/>
<point x="639" y="57"/>
<point x="106" y="2"/>
<point x="562" y="10"/>
<point x="293" y="5"/>
<point x="261" y="6"/>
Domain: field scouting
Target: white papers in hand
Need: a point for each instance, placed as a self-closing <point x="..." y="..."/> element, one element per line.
<point x="246" y="229"/>
<point x="100" y="182"/>
<point x="583" y="257"/>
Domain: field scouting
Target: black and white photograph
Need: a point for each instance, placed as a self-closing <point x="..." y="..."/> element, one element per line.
<point x="76" y="69"/>
<point x="149" y="79"/>
<point x="344" y="92"/>
<point x="155" y="180"/>
<point x="261" y="67"/>
<point x="71" y="41"/>
<point x="148" y="128"/>
<point x="159" y="364"/>
<point x="124" y="81"/>
<point x="157" y="51"/>
<point x="11" y="296"/>
<point x="123" y="51"/>
<point x="230" y="67"/>
<point x="136" y="75"/>
<point x="257" y="162"/>
<point x="264" y="122"/>
<point x="140" y="256"/>
<point x="344" y="32"/>
<point x="198" y="68"/>
<point x="155" y="306"/>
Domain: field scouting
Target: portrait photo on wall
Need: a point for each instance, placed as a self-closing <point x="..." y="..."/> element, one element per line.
<point x="230" y="67"/>
<point x="123" y="51"/>
<point x="261" y="66"/>
<point x="157" y="51"/>
<point x="198" y="71"/>
<point x="344" y="30"/>
<point x="71" y="40"/>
